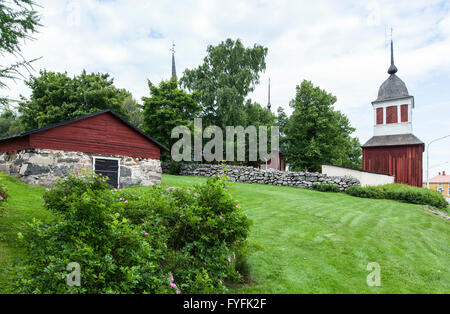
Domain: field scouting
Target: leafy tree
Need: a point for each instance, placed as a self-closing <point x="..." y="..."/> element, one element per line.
<point x="228" y="74"/>
<point x="317" y="134"/>
<point x="134" y="111"/>
<point x="18" y="21"/>
<point x="168" y="107"/>
<point x="9" y="123"/>
<point x="282" y="121"/>
<point x="56" y="97"/>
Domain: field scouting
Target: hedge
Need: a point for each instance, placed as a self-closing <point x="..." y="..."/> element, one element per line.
<point x="400" y="192"/>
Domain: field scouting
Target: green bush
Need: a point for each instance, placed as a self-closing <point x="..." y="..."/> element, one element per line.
<point x="366" y="192"/>
<point x="172" y="167"/>
<point x="401" y="192"/>
<point x="326" y="187"/>
<point x="4" y="196"/>
<point x="153" y="241"/>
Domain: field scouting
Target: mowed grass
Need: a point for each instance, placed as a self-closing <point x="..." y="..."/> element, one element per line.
<point x="24" y="204"/>
<point x="314" y="242"/>
<point x="311" y="242"/>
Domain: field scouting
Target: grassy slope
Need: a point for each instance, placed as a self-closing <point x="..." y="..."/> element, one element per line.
<point x="24" y="205"/>
<point x="317" y="242"/>
<point x="311" y="241"/>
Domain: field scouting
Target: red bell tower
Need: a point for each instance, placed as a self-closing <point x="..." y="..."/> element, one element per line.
<point x="394" y="149"/>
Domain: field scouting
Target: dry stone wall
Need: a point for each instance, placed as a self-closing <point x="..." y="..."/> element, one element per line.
<point x="44" y="166"/>
<point x="273" y="177"/>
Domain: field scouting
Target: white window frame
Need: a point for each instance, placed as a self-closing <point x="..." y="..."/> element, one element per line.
<point x="108" y="158"/>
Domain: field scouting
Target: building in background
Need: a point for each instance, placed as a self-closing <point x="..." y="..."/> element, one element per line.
<point x="441" y="183"/>
<point x="394" y="149"/>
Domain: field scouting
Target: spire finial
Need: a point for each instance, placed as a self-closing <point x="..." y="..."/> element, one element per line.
<point x="268" y="104"/>
<point x="392" y="69"/>
<point x="174" y="70"/>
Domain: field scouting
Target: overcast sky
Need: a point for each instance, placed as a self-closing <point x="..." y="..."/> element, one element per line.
<point x="338" y="45"/>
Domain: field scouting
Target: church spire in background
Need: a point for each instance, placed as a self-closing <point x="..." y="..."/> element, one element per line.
<point x="268" y="104"/>
<point x="174" y="70"/>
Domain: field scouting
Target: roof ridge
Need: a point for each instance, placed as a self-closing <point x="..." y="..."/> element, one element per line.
<point x="82" y="118"/>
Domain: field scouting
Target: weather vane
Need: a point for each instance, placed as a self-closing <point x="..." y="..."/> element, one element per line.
<point x="173" y="47"/>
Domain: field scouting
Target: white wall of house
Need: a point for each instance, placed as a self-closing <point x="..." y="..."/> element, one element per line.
<point x="364" y="177"/>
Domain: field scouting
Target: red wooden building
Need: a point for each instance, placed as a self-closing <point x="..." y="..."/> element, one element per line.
<point x="275" y="163"/>
<point x="103" y="142"/>
<point x="394" y="149"/>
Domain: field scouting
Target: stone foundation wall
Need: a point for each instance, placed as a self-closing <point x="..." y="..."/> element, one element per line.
<point x="44" y="166"/>
<point x="273" y="177"/>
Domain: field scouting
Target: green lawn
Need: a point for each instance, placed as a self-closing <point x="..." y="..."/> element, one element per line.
<point x="312" y="242"/>
<point x="24" y="205"/>
<point x="315" y="242"/>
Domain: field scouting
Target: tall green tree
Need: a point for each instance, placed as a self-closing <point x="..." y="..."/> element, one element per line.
<point x="18" y="22"/>
<point x="282" y="121"/>
<point x="228" y="74"/>
<point x="317" y="133"/>
<point x="134" y="112"/>
<point x="9" y="123"/>
<point x="56" y="97"/>
<point x="167" y="107"/>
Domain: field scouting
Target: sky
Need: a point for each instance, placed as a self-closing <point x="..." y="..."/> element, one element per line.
<point x="340" y="46"/>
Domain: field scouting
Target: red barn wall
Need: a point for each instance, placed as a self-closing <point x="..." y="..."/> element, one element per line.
<point x="404" y="162"/>
<point x="18" y="143"/>
<point x="102" y="134"/>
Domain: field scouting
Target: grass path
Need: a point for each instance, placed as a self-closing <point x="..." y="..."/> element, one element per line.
<point x="315" y="242"/>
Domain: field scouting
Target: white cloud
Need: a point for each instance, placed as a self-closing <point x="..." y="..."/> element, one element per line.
<point x="338" y="45"/>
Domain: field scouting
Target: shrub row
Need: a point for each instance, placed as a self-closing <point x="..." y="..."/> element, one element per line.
<point x="135" y="241"/>
<point x="400" y="192"/>
<point x="326" y="187"/>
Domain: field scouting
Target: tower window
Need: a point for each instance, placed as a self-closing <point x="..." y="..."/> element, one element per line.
<point x="404" y="112"/>
<point x="391" y="114"/>
<point x="379" y="115"/>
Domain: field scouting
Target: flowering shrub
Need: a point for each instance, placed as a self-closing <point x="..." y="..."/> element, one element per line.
<point x="153" y="241"/>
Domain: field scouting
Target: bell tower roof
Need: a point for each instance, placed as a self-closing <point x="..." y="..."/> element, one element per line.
<point x="393" y="87"/>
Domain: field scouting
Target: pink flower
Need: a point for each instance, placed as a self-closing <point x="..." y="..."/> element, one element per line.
<point x="126" y="202"/>
<point x="173" y="285"/>
<point x="90" y="182"/>
<point x="229" y="259"/>
<point x="178" y="291"/>
<point x="47" y="190"/>
<point x="221" y="217"/>
<point x="237" y="205"/>
<point x="164" y="276"/>
<point x="146" y="234"/>
<point x="171" y="277"/>
<point x="234" y="256"/>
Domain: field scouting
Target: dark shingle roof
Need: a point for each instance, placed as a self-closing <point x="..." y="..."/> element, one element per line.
<point x="392" y="88"/>
<point x="393" y="140"/>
